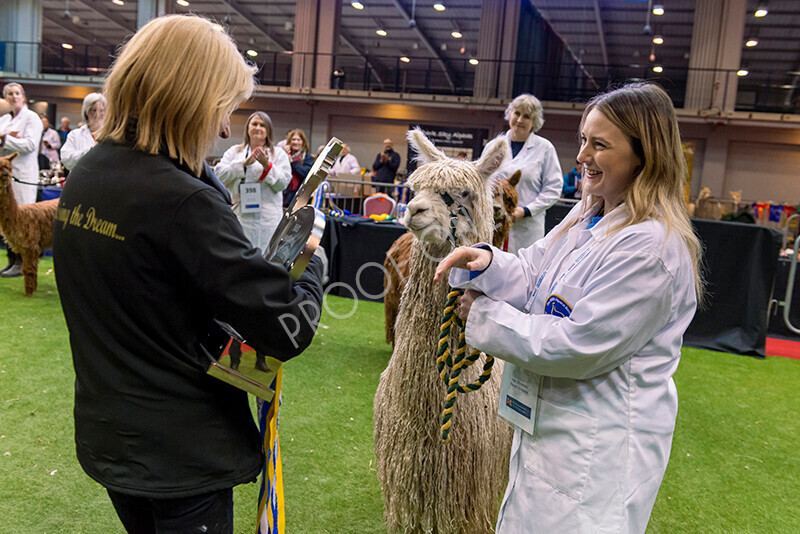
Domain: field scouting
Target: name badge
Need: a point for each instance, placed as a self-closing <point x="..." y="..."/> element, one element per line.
<point x="250" y="193"/>
<point x="519" y="392"/>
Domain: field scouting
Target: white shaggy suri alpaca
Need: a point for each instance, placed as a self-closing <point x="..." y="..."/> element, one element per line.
<point x="28" y="229"/>
<point x="429" y="486"/>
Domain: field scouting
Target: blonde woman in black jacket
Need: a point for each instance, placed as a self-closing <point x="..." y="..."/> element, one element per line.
<point x="147" y="253"/>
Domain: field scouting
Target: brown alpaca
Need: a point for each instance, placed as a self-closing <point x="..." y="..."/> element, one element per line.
<point x="28" y="229"/>
<point x="396" y="262"/>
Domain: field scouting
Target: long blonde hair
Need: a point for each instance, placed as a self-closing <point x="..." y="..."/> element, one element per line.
<point x="172" y="86"/>
<point x="644" y="112"/>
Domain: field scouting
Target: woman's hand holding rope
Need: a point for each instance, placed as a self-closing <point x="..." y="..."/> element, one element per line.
<point x="471" y="259"/>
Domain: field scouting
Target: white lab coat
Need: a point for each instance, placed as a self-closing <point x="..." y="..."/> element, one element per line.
<point x="345" y="165"/>
<point x="539" y="187"/>
<point x="78" y="143"/>
<point x="258" y="227"/>
<point x="25" y="166"/>
<point x="606" y="399"/>
<point x="52" y="138"/>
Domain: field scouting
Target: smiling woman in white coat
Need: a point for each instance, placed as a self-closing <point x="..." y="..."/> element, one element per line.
<point x="540" y="184"/>
<point x="20" y="131"/>
<point x="256" y="175"/>
<point x="590" y="321"/>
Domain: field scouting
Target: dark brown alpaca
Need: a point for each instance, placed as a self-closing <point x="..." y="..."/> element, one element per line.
<point x="396" y="262"/>
<point x="28" y="229"/>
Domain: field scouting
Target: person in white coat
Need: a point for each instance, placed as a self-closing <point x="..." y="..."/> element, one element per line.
<point x="590" y="321"/>
<point x="346" y="163"/>
<point x="256" y="175"/>
<point x="50" y="143"/>
<point x="540" y="184"/>
<point x="20" y="131"/>
<point x="81" y="140"/>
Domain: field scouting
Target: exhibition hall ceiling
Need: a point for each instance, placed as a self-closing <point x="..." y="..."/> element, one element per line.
<point x="602" y="34"/>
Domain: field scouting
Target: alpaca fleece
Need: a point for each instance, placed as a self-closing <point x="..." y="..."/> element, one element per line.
<point x="27" y="229"/>
<point x="429" y="486"/>
<point x="397" y="257"/>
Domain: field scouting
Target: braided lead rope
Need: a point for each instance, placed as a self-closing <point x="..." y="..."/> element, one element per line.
<point x="450" y="368"/>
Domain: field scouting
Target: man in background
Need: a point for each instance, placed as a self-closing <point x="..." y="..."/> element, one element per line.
<point x="386" y="164"/>
<point x="346" y="163"/>
<point x="572" y="182"/>
<point x="64" y="130"/>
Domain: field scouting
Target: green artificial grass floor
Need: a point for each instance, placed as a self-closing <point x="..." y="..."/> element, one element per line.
<point x="734" y="466"/>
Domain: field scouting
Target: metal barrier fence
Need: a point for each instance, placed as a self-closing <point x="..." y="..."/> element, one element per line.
<point x="350" y="194"/>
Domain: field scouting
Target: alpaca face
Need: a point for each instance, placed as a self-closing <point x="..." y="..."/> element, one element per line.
<point x="453" y="200"/>
<point x="429" y="217"/>
<point x="6" y="170"/>
<point x="506" y="199"/>
<point x="5" y="165"/>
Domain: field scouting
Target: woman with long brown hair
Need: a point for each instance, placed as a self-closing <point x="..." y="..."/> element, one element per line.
<point x="256" y="175"/>
<point x="590" y="321"/>
<point x="297" y="149"/>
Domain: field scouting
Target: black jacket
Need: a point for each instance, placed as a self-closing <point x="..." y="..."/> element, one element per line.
<point x="146" y="254"/>
<point x="385" y="172"/>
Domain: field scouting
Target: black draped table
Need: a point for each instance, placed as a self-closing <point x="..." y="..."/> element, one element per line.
<point x="356" y="247"/>
<point x="740" y="259"/>
<point x="740" y="265"/>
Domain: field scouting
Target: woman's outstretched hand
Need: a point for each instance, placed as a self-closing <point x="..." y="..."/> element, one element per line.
<point x="469" y="258"/>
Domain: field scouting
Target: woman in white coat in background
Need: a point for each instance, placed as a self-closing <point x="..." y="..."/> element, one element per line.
<point x="590" y="321"/>
<point x="540" y="184"/>
<point x="20" y="131"/>
<point x="256" y="175"/>
<point x="81" y="140"/>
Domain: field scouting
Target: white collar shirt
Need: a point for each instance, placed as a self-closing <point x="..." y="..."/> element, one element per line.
<point x="602" y="367"/>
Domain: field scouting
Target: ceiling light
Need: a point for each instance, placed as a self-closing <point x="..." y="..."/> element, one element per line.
<point x="404" y="59"/>
<point x="456" y="34"/>
<point x="658" y="40"/>
<point x="658" y="68"/>
<point x="751" y="43"/>
<point x="118" y="2"/>
<point x="473" y="61"/>
<point x="357" y="5"/>
<point x="381" y="32"/>
<point x="658" y="9"/>
<point x="66" y="45"/>
<point x="184" y="3"/>
<point x="742" y="72"/>
<point x="761" y="11"/>
<point x="252" y="53"/>
<point x="439" y="6"/>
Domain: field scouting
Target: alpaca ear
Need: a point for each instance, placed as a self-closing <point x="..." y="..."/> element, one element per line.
<point x="425" y="149"/>
<point x="514" y="179"/>
<point x="493" y="156"/>
<point x="11" y="156"/>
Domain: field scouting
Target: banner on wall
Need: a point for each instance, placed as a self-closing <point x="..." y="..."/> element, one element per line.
<point x="455" y="142"/>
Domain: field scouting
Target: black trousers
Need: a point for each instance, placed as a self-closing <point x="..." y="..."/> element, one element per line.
<point x="12" y="256"/>
<point x="210" y="513"/>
